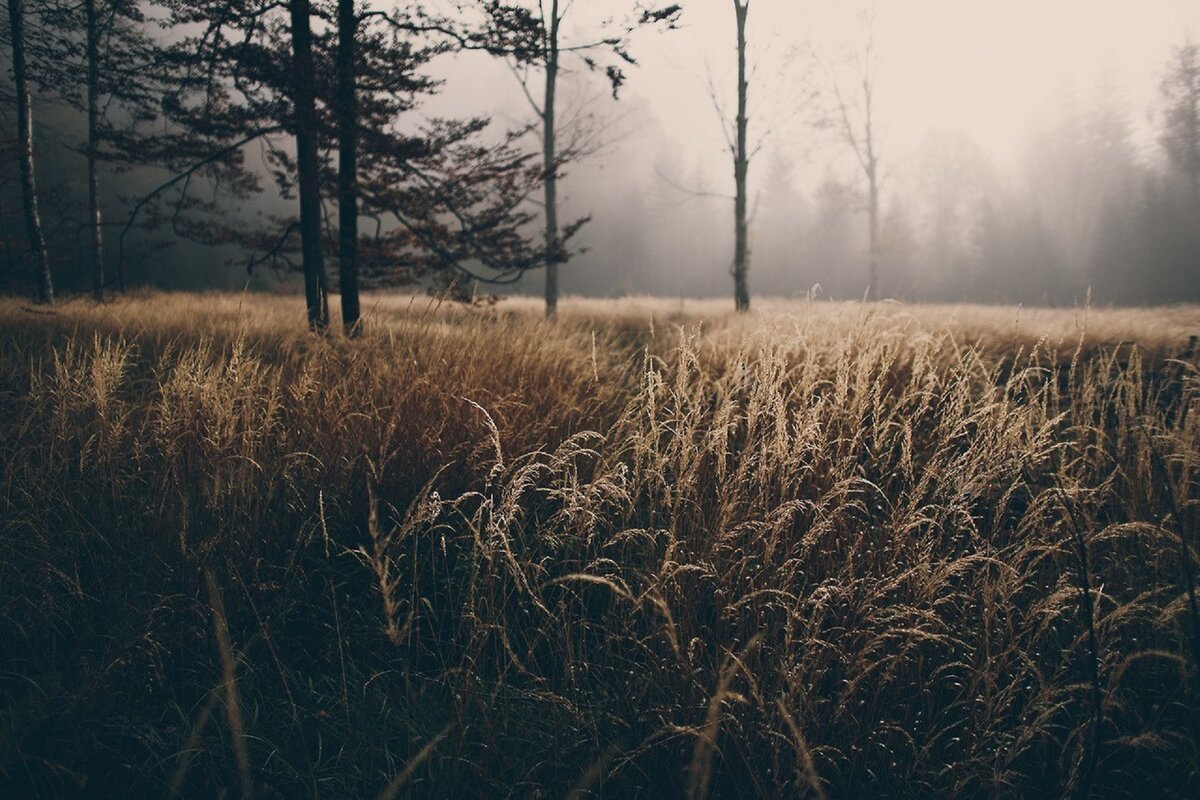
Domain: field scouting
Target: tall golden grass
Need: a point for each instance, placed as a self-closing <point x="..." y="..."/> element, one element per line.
<point x="652" y="549"/>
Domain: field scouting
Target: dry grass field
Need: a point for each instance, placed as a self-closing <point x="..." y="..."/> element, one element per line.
<point x="652" y="549"/>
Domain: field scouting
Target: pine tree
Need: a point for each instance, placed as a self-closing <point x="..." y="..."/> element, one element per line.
<point x="300" y="80"/>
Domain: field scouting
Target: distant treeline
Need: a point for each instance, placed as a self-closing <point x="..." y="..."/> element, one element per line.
<point x="174" y="160"/>
<point x="1091" y="203"/>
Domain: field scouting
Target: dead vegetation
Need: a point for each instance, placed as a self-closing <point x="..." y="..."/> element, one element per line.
<point x="652" y="549"/>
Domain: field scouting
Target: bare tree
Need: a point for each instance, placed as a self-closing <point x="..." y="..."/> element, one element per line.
<point x="531" y="34"/>
<point x="736" y="130"/>
<point x="550" y="159"/>
<point x="850" y="112"/>
<point x="33" y="222"/>
<point x="741" y="165"/>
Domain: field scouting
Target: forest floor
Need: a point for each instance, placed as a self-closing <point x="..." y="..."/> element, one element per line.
<point x="650" y="549"/>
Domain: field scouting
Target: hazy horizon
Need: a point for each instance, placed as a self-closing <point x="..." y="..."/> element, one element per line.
<point x="973" y="72"/>
<point x="973" y="103"/>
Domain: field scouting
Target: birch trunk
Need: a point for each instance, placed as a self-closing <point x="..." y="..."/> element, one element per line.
<point x="33" y="221"/>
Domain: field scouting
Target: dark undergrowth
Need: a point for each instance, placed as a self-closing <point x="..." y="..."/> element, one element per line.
<point x="480" y="555"/>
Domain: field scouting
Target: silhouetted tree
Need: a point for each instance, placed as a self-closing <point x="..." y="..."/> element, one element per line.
<point x="244" y="72"/>
<point x="347" y="135"/>
<point x="308" y="164"/>
<point x="25" y="153"/>
<point x="531" y="35"/>
<point x="741" y="166"/>
<point x="742" y="150"/>
<point x="93" y="117"/>
<point x="250" y="73"/>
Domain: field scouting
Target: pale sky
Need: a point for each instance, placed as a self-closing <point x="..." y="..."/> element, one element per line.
<point x="988" y="69"/>
<point x="985" y="71"/>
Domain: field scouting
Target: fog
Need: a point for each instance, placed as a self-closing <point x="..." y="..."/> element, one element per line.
<point x="976" y="89"/>
<point x="1019" y="144"/>
<point x="979" y="89"/>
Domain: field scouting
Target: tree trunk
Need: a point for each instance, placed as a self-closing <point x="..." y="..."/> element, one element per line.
<point x="93" y="118"/>
<point x="741" y="163"/>
<point x="33" y="222"/>
<point x="316" y="291"/>
<point x="872" y="235"/>
<point x="347" y="124"/>
<point x="550" y="166"/>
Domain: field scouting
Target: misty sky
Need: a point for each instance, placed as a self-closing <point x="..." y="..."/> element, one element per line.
<point x="977" y="71"/>
<point x="990" y="71"/>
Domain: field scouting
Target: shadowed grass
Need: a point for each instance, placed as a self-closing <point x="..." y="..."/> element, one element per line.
<point x="652" y="549"/>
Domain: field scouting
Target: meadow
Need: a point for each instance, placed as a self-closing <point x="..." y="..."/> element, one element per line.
<point x="649" y="549"/>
